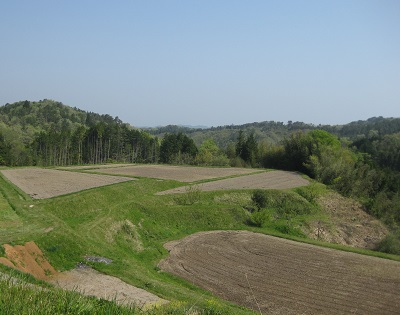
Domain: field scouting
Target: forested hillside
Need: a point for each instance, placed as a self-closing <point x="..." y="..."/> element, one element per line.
<point x="274" y="132"/>
<point x="51" y="133"/>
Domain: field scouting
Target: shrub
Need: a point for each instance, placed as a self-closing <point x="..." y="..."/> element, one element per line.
<point x="287" y="228"/>
<point x="259" y="218"/>
<point x="191" y="196"/>
<point x="311" y="192"/>
<point x="259" y="198"/>
<point x="390" y="244"/>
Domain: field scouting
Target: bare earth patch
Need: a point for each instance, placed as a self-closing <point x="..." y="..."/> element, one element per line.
<point x="179" y="173"/>
<point x="348" y="223"/>
<point x="28" y="258"/>
<point x="93" y="283"/>
<point x="280" y="276"/>
<point x="90" y="167"/>
<point x="265" y="180"/>
<point x="42" y="183"/>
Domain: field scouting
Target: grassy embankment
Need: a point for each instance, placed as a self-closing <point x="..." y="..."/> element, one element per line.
<point x="129" y="224"/>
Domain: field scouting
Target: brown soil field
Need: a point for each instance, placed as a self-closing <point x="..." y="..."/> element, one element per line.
<point x="180" y="173"/>
<point x="42" y="183"/>
<point x="90" y="167"/>
<point x="265" y="180"/>
<point x="279" y="276"/>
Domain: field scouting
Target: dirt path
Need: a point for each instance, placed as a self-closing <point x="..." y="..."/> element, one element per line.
<point x="266" y="180"/>
<point x="42" y="183"/>
<point x="279" y="276"/>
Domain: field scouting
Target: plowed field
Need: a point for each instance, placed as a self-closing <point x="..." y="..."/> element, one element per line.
<point x="42" y="183"/>
<point x="265" y="180"/>
<point x="278" y="276"/>
<point x="179" y="173"/>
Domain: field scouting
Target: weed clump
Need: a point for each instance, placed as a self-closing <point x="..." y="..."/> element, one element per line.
<point x="189" y="197"/>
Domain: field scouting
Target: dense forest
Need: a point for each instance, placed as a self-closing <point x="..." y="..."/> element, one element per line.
<point x="47" y="133"/>
<point x="360" y="159"/>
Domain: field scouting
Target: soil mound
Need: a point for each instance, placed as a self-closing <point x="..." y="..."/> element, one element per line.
<point x="28" y="258"/>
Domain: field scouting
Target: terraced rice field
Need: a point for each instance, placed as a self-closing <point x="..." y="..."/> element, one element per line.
<point x="278" y="276"/>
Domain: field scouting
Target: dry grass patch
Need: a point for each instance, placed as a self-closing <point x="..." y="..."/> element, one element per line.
<point x="347" y="223"/>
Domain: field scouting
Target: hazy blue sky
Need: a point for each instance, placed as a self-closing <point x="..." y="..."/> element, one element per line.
<point x="205" y="62"/>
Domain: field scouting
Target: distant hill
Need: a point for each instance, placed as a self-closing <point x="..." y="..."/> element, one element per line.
<point x="273" y="132"/>
<point x="27" y="126"/>
<point x="46" y="114"/>
<point x="29" y="118"/>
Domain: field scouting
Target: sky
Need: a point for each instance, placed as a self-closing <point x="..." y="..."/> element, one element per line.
<point x="208" y="63"/>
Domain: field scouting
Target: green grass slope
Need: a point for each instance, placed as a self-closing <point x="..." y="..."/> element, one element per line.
<point x="128" y="223"/>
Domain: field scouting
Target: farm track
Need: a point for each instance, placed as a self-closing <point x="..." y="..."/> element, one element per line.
<point x="283" y="276"/>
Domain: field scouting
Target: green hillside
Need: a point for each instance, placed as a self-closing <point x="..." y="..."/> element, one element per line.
<point x="129" y="224"/>
<point x="50" y="133"/>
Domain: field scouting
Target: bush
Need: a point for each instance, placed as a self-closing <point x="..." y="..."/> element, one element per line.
<point x="191" y="196"/>
<point x="259" y="218"/>
<point x="390" y="244"/>
<point x="311" y="192"/>
<point x="259" y="198"/>
<point x="238" y="162"/>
